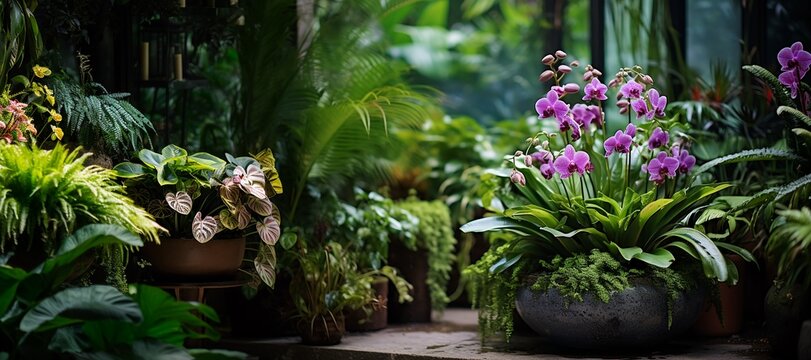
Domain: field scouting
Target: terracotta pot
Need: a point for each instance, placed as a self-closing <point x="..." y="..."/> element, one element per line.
<point x="188" y="259"/>
<point x="413" y="266"/>
<point x="635" y="317"/>
<point x="323" y="330"/>
<point x="731" y="300"/>
<point x="359" y="320"/>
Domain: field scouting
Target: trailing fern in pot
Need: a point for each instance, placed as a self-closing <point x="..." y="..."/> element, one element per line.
<point x="592" y="220"/>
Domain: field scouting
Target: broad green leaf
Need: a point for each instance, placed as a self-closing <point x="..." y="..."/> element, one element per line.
<point x="207" y="160"/>
<point x="151" y="158"/>
<point x="128" y="170"/>
<point x="288" y="240"/>
<point x="737" y="250"/>
<point x="659" y="257"/>
<point x="94" y="302"/>
<point x="504" y="264"/>
<point x="626" y="253"/>
<point x="172" y="150"/>
<point x="712" y="261"/>
<point x="9" y="279"/>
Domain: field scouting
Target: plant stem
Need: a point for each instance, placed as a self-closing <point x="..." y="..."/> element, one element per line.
<point x="565" y="191"/>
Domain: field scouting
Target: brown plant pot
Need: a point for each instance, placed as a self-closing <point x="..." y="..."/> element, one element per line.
<point x="413" y="266"/>
<point x="357" y="320"/>
<point x="187" y="259"/>
<point x="323" y="330"/>
<point x="731" y="300"/>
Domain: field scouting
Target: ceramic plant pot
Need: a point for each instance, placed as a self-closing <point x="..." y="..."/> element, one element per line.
<point x="357" y="320"/>
<point x="635" y="317"/>
<point x="188" y="259"/>
<point x="322" y="330"/>
<point x="731" y="299"/>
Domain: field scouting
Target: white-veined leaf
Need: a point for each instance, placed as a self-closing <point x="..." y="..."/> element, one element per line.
<point x="180" y="202"/>
<point x="263" y="207"/>
<point x="269" y="230"/>
<point x="203" y="228"/>
<point x="265" y="264"/>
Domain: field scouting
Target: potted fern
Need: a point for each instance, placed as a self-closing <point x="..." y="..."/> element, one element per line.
<point x="208" y="206"/>
<point x="592" y="238"/>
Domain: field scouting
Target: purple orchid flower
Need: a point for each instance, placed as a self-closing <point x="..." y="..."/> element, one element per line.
<point x="550" y="106"/>
<point x="789" y="79"/>
<point x="640" y="106"/>
<point x="598" y="114"/>
<point x="658" y="103"/>
<point x="658" y="138"/>
<point x="595" y="90"/>
<point x="661" y="167"/>
<point x="547" y="171"/>
<point x="794" y="58"/>
<point x="559" y="90"/>
<point x="632" y="90"/>
<point x="621" y="141"/>
<point x="686" y="161"/>
<point x="571" y="162"/>
<point x="583" y="115"/>
<point x="542" y="157"/>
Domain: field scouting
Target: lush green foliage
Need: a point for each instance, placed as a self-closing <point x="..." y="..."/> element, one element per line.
<point x="223" y="196"/>
<point x="20" y="37"/>
<point x="101" y="120"/>
<point x="42" y="319"/>
<point x="596" y="272"/>
<point x="790" y="245"/>
<point x="47" y="194"/>
<point x="435" y="235"/>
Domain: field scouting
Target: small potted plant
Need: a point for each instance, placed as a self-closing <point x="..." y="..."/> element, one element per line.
<point x="208" y="205"/>
<point x="592" y="221"/>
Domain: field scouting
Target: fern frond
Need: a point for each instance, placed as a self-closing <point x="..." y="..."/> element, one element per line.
<point x="779" y="90"/>
<point x="794" y="114"/>
<point x="748" y="155"/>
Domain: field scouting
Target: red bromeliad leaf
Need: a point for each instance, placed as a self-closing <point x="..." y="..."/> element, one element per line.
<point x="203" y="229"/>
<point x="269" y="230"/>
<point x="228" y="219"/>
<point x="263" y="207"/>
<point x="265" y="264"/>
<point x="180" y="202"/>
<point x="243" y="217"/>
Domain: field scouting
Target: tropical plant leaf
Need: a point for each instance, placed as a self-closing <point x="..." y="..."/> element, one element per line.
<point x="203" y="228"/>
<point x="94" y="302"/>
<point x="778" y="89"/>
<point x="268" y="164"/>
<point x="263" y="207"/>
<point x="712" y="261"/>
<point x="268" y="230"/>
<point x="265" y="264"/>
<point x="746" y="156"/>
<point x="659" y="257"/>
<point x="180" y="202"/>
<point x="243" y="217"/>
<point x="228" y="219"/>
<point x="128" y="170"/>
<point x="288" y="240"/>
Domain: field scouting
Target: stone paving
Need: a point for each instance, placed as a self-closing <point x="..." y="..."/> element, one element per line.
<point x="454" y="336"/>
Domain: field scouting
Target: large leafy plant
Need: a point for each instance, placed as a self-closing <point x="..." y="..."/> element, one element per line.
<point x="21" y="40"/>
<point x="790" y="245"/>
<point x="43" y="319"/>
<point x="629" y="195"/>
<point x="200" y="195"/>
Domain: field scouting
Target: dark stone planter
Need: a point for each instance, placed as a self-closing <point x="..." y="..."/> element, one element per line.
<point x="635" y="317"/>
<point x="413" y="266"/>
<point x="786" y="309"/>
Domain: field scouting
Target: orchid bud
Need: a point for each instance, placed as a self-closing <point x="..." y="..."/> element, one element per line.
<point x="647" y="79"/>
<point x="574" y="63"/>
<point x="589" y="67"/>
<point x="560" y="54"/>
<point x="518" y="178"/>
<point x="623" y="110"/>
<point x="519" y="153"/>
<point x="545" y="144"/>
<point x="546" y="75"/>
<point x="571" y="88"/>
<point x="613" y="83"/>
<point x="548" y="59"/>
<point x="619" y="96"/>
<point x="564" y="69"/>
<point x="528" y="160"/>
<point x="587" y="76"/>
<point x="623" y="103"/>
<point x="596" y="72"/>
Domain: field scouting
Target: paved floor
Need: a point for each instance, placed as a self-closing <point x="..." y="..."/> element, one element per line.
<point x="454" y="336"/>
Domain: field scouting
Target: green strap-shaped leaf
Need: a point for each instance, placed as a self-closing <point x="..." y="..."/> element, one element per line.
<point x="712" y="261"/>
<point x="747" y="155"/>
<point x="779" y="90"/>
<point x="792" y="113"/>
<point x="659" y="257"/>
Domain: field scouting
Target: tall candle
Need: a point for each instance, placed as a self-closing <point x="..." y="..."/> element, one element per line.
<point x="145" y="60"/>
<point x="178" y="66"/>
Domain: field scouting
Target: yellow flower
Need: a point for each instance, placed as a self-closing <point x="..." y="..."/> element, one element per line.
<point x="55" y="115"/>
<point x="41" y="71"/>
<point x="50" y="99"/>
<point x="36" y="88"/>
<point x="57" y="133"/>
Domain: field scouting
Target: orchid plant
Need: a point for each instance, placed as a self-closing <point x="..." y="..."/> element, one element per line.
<point x="581" y="188"/>
<point x="201" y="195"/>
<point x="21" y="102"/>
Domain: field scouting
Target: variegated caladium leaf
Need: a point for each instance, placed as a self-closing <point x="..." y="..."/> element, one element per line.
<point x="180" y="202"/>
<point x="269" y="230"/>
<point x="263" y="207"/>
<point x="251" y="181"/>
<point x="159" y="209"/>
<point x="203" y="228"/>
<point x="265" y="264"/>
<point x="229" y="193"/>
<point x="243" y="217"/>
<point x="255" y="175"/>
<point x="228" y="219"/>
